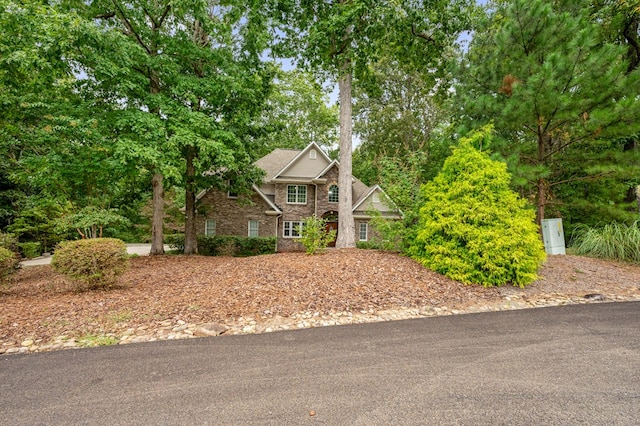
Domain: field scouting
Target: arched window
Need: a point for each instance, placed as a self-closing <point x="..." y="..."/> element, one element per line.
<point x="333" y="194"/>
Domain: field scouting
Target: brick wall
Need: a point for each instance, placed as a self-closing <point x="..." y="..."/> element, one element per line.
<point x="324" y="205"/>
<point x="232" y="215"/>
<point x="292" y="212"/>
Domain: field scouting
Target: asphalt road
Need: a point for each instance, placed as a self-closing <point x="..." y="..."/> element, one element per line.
<point x="554" y="366"/>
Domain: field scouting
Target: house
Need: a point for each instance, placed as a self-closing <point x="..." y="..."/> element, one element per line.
<point x="297" y="184"/>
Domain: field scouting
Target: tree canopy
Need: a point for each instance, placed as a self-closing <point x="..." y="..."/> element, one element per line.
<point x="562" y="99"/>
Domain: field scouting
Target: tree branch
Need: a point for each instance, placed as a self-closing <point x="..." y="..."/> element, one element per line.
<point x="105" y="15"/>
<point x="129" y="27"/>
<point x="582" y="178"/>
<point x="424" y="36"/>
<point x="164" y="15"/>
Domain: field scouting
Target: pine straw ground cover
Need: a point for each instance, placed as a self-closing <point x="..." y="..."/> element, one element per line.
<point x="40" y="305"/>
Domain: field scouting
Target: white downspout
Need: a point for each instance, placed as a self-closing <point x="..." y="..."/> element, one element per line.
<point x="315" y="205"/>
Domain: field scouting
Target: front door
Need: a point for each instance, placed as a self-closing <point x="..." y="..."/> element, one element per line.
<point x="331" y="226"/>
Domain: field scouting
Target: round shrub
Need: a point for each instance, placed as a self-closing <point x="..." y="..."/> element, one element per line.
<point x="473" y="228"/>
<point x="8" y="263"/>
<point x="96" y="262"/>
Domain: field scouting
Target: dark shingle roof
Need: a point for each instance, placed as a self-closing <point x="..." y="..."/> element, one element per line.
<point x="275" y="161"/>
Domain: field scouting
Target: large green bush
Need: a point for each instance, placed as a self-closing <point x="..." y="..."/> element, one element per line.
<point x="96" y="262"/>
<point x="8" y="263"/>
<point x="473" y="228"/>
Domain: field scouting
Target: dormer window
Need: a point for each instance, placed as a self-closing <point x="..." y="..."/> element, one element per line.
<point x="375" y="197"/>
<point x="313" y="154"/>
<point x="333" y="194"/>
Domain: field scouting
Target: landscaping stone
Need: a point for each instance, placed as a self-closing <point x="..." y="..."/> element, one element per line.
<point x="210" y="329"/>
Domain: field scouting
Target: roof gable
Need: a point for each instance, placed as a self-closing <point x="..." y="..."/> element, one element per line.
<point x="324" y="171"/>
<point x="273" y="162"/>
<point x="367" y="201"/>
<point x="307" y="164"/>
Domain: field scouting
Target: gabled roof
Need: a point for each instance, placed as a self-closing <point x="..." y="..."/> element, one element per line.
<point x="272" y="163"/>
<point x="326" y="169"/>
<point x="301" y="154"/>
<point x="358" y="191"/>
<point x="364" y="196"/>
<point x="368" y="194"/>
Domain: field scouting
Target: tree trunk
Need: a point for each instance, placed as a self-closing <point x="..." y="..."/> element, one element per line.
<point x="190" y="239"/>
<point x="541" y="201"/>
<point x="157" y="232"/>
<point x="346" y="227"/>
<point x="544" y="144"/>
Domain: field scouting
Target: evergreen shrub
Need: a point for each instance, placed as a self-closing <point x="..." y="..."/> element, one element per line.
<point x="229" y="245"/>
<point x="370" y="245"/>
<point x="9" y="241"/>
<point x="30" y="250"/>
<point x="226" y="245"/>
<point x="96" y="262"/>
<point x="8" y="263"/>
<point x="473" y="228"/>
<point x="175" y="241"/>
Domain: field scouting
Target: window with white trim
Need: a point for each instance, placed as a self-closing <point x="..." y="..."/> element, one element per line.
<point x="333" y="194"/>
<point x="210" y="227"/>
<point x="375" y="197"/>
<point x="253" y="228"/>
<point x="364" y="231"/>
<point x="312" y="154"/>
<point x="296" y="194"/>
<point x="290" y="229"/>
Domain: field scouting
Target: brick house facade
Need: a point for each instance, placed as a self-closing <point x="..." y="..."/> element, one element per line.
<point x="297" y="184"/>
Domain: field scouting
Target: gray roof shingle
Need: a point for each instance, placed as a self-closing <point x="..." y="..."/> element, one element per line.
<point x="274" y="162"/>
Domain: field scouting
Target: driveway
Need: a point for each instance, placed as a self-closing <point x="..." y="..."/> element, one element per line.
<point x="575" y="364"/>
<point x="139" y="249"/>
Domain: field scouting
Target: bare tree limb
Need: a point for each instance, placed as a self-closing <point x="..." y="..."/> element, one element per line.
<point x="424" y="36"/>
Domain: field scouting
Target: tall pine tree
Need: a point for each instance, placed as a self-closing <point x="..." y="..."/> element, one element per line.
<point x="562" y="99"/>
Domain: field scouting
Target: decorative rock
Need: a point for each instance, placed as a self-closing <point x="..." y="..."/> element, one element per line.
<point x="27" y="343"/>
<point x="210" y="329"/>
<point x="595" y="297"/>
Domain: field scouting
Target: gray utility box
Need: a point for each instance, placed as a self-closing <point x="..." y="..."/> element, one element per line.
<point x="553" y="236"/>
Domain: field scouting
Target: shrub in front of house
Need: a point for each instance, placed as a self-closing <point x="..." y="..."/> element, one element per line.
<point x="370" y="245"/>
<point x="314" y="235"/>
<point x="175" y="242"/>
<point x="253" y="246"/>
<point x="473" y="228"/>
<point x="235" y="246"/>
<point x="8" y="263"/>
<point x="91" y="263"/>
<point x="226" y="245"/>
